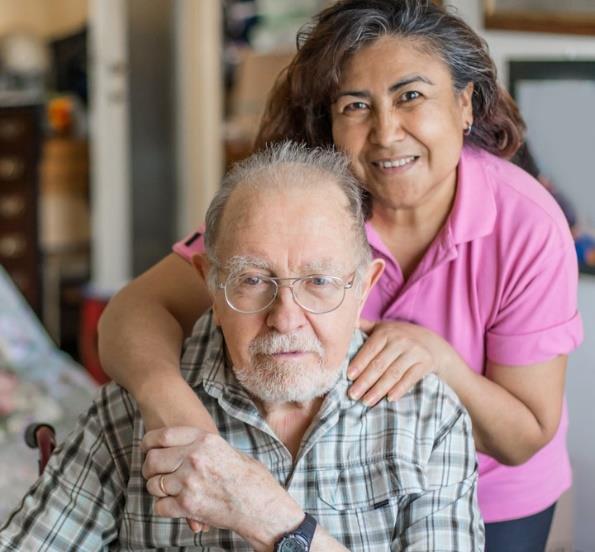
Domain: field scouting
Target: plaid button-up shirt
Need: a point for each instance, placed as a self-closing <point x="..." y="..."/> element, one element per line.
<point x="398" y="476"/>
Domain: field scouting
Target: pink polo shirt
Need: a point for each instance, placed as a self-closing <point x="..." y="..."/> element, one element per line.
<point x="498" y="282"/>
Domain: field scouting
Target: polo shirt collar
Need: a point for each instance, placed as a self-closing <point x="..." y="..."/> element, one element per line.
<point x="474" y="211"/>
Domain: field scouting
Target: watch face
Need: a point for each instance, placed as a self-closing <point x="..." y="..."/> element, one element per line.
<point x="293" y="543"/>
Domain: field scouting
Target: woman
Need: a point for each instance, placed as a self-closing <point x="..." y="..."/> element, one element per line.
<point x="480" y="284"/>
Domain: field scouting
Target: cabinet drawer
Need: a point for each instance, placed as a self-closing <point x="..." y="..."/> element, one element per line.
<point x="18" y="128"/>
<point x="16" y="210"/>
<point x="13" y="168"/>
<point x="15" y="246"/>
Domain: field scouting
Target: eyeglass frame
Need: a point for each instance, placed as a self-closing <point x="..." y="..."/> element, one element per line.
<point x="275" y="280"/>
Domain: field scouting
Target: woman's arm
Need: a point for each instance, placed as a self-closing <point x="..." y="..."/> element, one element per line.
<point x="515" y="410"/>
<point x="140" y="340"/>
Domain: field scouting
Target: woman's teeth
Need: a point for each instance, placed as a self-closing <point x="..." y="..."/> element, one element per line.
<point x="396" y="163"/>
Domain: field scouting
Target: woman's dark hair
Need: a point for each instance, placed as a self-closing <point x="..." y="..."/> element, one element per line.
<point x="298" y="107"/>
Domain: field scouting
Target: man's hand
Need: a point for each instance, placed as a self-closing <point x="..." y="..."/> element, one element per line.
<point x="197" y="475"/>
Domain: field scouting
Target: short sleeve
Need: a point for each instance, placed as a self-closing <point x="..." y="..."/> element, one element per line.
<point x="192" y="244"/>
<point x="538" y="318"/>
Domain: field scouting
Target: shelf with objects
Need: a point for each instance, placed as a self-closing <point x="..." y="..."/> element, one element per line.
<point x="561" y="143"/>
<point x="259" y="42"/>
<point x="44" y="175"/>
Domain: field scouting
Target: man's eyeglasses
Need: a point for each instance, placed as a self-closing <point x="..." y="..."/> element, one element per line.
<point x="251" y="292"/>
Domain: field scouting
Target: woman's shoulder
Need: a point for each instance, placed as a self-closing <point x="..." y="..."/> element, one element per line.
<point x="521" y="201"/>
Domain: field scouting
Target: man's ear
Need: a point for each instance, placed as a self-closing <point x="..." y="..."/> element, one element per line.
<point x="372" y="276"/>
<point x="202" y="266"/>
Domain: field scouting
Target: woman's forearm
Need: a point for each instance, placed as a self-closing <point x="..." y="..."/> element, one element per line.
<point x="141" y="351"/>
<point x="140" y="341"/>
<point x="506" y="426"/>
<point x="139" y="344"/>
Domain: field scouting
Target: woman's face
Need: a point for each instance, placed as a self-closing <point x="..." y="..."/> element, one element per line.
<point x="400" y="120"/>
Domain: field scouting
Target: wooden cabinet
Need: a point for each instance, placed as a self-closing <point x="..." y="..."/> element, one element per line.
<point x="19" y="159"/>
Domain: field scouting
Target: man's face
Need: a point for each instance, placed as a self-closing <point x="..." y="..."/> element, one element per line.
<point x="286" y="353"/>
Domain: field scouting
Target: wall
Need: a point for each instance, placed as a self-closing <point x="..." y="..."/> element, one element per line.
<point x="580" y="388"/>
<point x="51" y="18"/>
<point x="581" y="374"/>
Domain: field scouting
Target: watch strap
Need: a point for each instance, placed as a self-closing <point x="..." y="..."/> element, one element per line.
<point x="304" y="531"/>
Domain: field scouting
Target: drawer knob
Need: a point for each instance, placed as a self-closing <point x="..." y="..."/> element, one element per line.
<point x="11" y="168"/>
<point x="12" y="206"/>
<point x="12" y="246"/>
<point x="11" y="129"/>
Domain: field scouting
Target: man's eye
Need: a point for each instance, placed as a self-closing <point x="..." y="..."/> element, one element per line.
<point x="250" y="280"/>
<point x="321" y="281"/>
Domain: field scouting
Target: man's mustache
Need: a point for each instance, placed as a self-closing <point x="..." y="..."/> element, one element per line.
<point x="275" y="343"/>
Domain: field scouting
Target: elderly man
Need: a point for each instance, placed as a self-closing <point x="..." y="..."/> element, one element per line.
<point x="299" y="466"/>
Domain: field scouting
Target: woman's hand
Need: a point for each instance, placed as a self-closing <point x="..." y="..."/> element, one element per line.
<point x="394" y="358"/>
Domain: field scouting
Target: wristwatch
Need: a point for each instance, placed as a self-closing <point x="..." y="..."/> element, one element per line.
<point x="300" y="539"/>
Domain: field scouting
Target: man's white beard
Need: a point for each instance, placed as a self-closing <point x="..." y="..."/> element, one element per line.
<point x="272" y="379"/>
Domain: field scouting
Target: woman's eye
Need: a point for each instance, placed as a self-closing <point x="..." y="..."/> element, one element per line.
<point x="410" y="95"/>
<point x="355" y="107"/>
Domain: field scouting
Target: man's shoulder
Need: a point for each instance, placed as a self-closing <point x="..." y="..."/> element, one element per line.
<point x="409" y="429"/>
<point x="202" y="351"/>
<point x="430" y="403"/>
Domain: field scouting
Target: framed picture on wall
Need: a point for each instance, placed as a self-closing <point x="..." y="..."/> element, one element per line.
<point x="549" y="16"/>
<point x="556" y="99"/>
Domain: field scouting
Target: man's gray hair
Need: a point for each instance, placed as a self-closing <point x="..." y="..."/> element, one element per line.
<point x="272" y="164"/>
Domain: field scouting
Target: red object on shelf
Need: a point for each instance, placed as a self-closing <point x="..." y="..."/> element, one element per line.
<point x="92" y="308"/>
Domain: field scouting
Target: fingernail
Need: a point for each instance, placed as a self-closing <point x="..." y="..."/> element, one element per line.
<point x="351" y="373"/>
<point x="355" y="393"/>
<point x="370" y="400"/>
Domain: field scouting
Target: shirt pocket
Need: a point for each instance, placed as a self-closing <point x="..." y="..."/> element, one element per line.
<point x="360" y="504"/>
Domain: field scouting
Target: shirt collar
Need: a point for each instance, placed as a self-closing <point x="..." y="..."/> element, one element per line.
<point x="473" y="214"/>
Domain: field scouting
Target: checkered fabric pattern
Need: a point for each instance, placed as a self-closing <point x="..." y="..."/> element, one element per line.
<point x="398" y="476"/>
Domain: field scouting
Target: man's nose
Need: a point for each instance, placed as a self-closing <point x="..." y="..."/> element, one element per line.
<point x="387" y="127"/>
<point x="285" y="315"/>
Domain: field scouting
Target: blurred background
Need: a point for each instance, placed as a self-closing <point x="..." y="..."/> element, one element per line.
<point x="117" y="120"/>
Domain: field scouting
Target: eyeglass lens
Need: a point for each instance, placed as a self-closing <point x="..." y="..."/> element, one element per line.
<point x="252" y="293"/>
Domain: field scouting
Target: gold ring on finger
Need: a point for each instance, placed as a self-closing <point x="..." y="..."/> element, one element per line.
<point x="162" y="485"/>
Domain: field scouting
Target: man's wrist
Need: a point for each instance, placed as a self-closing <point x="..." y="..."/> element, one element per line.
<point x="301" y="538"/>
<point x="262" y="536"/>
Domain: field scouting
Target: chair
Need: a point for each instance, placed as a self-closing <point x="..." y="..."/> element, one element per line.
<point x="43" y="437"/>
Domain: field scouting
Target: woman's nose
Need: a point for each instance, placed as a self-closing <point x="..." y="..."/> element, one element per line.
<point x="387" y="128"/>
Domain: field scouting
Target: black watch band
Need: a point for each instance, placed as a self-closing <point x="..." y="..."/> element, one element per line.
<point x="300" y="539"/>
